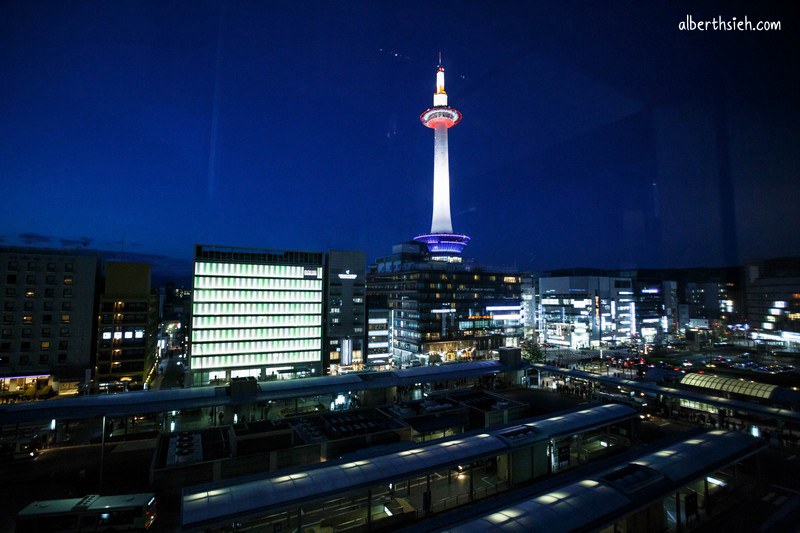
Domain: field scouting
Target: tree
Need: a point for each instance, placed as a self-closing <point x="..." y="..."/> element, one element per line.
<point x="531" y="351"/>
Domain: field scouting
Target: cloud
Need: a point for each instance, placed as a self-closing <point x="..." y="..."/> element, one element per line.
<point x="82" y="241"/>
<point x="34" y="238"/>
<point x="162" y="265"/>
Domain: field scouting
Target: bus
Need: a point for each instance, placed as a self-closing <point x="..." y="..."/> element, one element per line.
<point x="634" y="401"/>
<point x="19" y="447"/>
<point x="125" y="512"/>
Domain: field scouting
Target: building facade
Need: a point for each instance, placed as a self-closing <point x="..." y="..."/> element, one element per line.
<point x="583" y="311"/>
<point x="127" y="326"/>
<point x="379" y="340"/>
<point x="773" y="301"/>
<point x="48" y="319"/>
<point x="345" y="311"/>
<point x="256" y="313"/>
<point x="445" y="308"/>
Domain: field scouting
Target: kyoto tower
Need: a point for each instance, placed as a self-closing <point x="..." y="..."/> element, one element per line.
<point x="443" y="244"/>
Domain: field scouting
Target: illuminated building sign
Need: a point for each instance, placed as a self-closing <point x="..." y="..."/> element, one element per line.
<point x="347" y="275"/>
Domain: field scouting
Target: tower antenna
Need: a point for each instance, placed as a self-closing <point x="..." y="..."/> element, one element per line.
<point x="440" y="58"/>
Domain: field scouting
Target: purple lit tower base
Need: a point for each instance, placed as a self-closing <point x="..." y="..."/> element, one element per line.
<point x="444" y="244"/>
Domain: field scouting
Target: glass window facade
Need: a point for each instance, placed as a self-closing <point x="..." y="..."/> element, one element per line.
<point x="263" y="317"/>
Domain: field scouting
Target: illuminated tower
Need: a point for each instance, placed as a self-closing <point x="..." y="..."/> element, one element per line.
<point x="443" y="244"/>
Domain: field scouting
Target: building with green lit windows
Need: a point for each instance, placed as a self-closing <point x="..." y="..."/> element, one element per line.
<point x="256" y="313"/>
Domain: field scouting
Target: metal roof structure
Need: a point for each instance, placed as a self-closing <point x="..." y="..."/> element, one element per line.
<point x="220" y="502"/>
<point x="731" y="385"/>
<point x="597" y="501"/>
<point x="155" y="401"/>
<point x="753" y="408"/>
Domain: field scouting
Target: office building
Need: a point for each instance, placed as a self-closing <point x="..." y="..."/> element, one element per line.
<point x="345" y="311"/>
<point x="583" y="309"/>
<point x="256" y="313"/>
<point x="378" y="337"/>
<point x="450" y="309"/>
<point x="127" y="324"/>
<point x="773" y="301"/>
<point x="48" y="319"/>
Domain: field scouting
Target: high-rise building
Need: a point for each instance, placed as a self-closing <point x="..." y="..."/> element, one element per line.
<point x="453" y="309"/>
<point x="773" y="300"/>
<point x="256" y="313"/>
<point x="345" y="310"/>
<point x="586" y="309"/>
<point x="48" y="322"/>
<point x="378" y="339"/>
<point x="127" y="324"/>
<point x="656" y="309"/>
<point x="529" y="287"/>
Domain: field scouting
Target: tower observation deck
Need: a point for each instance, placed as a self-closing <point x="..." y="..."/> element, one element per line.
<point x="443" y="244"/>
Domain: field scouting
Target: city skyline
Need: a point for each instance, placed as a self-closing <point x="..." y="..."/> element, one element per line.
<point x="600" y="137"/>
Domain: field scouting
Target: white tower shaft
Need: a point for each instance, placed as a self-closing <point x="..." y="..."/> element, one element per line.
<point x="441" y="222"/>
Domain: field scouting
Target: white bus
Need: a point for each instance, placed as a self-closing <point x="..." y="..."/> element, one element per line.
<point x="125" y="512"/>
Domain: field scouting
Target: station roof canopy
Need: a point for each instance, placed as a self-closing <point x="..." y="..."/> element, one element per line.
<point x="781" y="395"/>
<point x="155" y="401"/>
<point x="218" y="502"/>
<point x="598" y="501"/>
<point x="731" y="385"/>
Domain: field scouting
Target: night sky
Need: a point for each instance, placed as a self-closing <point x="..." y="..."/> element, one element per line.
<point x="596" y="136"/>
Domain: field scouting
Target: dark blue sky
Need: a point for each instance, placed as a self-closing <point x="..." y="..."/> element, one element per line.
<point x="592" y="135"/>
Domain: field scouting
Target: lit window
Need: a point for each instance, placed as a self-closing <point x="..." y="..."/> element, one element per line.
<point x="65" y="319"/>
